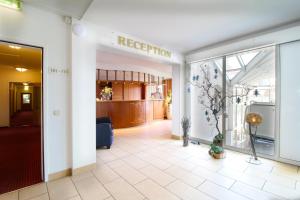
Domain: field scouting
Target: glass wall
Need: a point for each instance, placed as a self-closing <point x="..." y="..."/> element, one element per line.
<point x="203" y="125"/>
<point x="250" y="84"/>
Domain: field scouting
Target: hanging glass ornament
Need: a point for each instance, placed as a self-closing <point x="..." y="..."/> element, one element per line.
<point x="256" y="92"/>
<point x="238" y="100"/>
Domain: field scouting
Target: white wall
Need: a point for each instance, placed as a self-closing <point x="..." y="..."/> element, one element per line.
<point x="36" y="27"/>
<point x="290" y="99"/>
<point x="83" y="101"/>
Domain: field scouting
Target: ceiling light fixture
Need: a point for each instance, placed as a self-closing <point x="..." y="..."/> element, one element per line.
<point x="25" y="84"/>
<point x="13" y="46"/>
<point x="21" y="69"/>
<point x="14" y="4"/>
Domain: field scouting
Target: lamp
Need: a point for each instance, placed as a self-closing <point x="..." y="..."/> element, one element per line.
<point x="13" y="46"/>
<point x="254" y="120"/>
<point x="14" y="4"/>
<point x="21" y="69"/>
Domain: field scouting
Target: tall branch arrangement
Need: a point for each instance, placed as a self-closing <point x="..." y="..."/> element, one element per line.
<point x="212" y="98"/>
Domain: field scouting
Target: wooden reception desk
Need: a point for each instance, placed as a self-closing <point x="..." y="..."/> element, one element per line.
<point x="129" y="113"/>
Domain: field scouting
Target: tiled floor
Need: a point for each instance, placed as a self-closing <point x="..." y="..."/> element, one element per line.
<point x="145" y="164"/>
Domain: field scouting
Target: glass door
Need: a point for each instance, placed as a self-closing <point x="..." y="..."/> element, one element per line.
<point x="252" y="71"/>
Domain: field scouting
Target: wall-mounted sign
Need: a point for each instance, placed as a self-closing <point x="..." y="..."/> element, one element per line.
<point x="148" y="48"/>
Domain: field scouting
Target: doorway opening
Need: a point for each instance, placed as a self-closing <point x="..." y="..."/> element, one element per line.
<point x="135" y="92"/>
<point x="21" y="141"/>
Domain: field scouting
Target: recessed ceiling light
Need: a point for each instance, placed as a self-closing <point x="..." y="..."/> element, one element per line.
<point x="13" y="46"/>
<point x="14" y="4"/>
<point x="21" y="69"/>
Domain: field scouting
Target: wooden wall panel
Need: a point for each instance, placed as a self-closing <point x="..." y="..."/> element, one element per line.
<point x="135" y="76"/>
<point x="120" y="75"/>
<point x="111" y="75"/>
<point x="142" y="77"/>
<point x="103" y="75"/>
<point x="117" y="89"/>
<point x="128" y="76"/>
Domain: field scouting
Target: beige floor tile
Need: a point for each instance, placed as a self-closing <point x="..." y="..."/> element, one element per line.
<point x="242" y="177"/>
<point x="61" y="189"/>
<point x="157" y="175"/>
<point x="161" y="164"/>
<point x="91" y="189"/>
<point x="187" y="192"/>
<point x="32" y="191"/>
<point x="81" y="176"/>
<point x="214" y="177"/>
<point x="154" y="191"/>
<point x="105" y="155"/>
<point x="185" y="176"/>
<point x="119" y="153"/>
<point x="10" y="196"/>
<point x="42" y="197"/>
<point x="135" y="162"/>
<point x="273" y="178"/>
<point x="75" y="198"/>
<point x="110" y="198"/>
<point x="181" y="163"/>
<point x="104" y="174"/>
<point x="130" y="174"/>
<point x="219" y="192"/>
<point x="121" y="190"/>
<point x="252" y="193"/>
<point x="283" y="192"/>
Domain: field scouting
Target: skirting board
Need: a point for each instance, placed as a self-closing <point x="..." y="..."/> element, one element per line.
<point x="176" y="137"/>
<point x="70" y="172"/>
<point x="84" y="169"/>
<point x="60" y="174"/>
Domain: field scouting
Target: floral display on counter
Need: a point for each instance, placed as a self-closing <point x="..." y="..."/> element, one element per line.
<point x="106" y="94"/>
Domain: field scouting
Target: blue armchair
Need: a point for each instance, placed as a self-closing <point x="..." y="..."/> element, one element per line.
<point x="104" y="132"/>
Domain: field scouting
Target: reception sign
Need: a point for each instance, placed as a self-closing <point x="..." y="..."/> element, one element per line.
<point x="141" y="46"/>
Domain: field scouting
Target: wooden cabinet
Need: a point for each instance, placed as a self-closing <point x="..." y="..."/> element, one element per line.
<point x="158" y="109"/>
<point x="149" y="111"/>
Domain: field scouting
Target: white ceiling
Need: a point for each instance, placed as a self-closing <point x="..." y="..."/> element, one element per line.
<point x="185" y="25"/>
<point x="180" y="25"/>
<point x="73" y="8"/>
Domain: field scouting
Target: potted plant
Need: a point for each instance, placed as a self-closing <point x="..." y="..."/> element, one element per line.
<point x="213" y="101"/>
<point x="186" y="124"/>
<point x="216" y="151"/>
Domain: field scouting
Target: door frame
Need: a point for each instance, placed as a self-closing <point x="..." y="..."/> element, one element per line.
<point x="42" y="102"/>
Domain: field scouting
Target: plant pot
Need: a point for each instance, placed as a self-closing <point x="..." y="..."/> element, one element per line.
<point x="185" y="141"/>
<point x="218" y="155"/>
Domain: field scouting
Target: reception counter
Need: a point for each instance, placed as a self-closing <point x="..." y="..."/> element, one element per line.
<point x="130" y="113"/>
